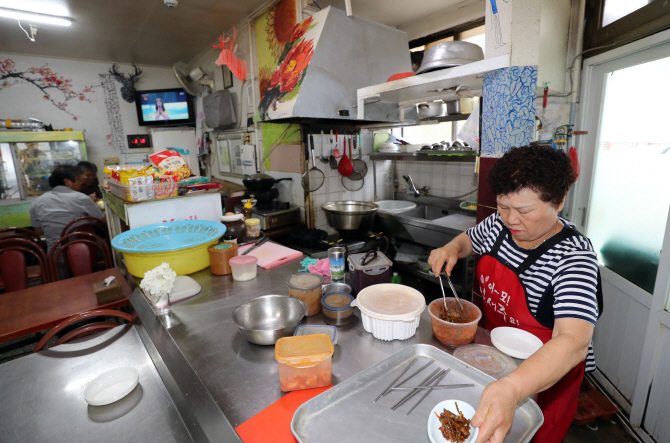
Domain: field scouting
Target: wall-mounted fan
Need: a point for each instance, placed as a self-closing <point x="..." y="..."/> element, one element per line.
<point x="192" y="79"/>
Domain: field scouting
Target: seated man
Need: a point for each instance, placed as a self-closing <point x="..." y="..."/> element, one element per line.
<point x="50" y="212"/>
<point x="90" y="185"/>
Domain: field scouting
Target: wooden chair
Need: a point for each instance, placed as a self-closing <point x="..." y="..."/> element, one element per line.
<point x="92" y="225"/>
<point x="78" y="250"/>
<point x="13" y="265"/>
<point x="28" y="234"/>
<point x="84" y="330"/>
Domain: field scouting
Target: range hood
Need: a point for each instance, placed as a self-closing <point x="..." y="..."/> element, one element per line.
<point x="327" y="59"/>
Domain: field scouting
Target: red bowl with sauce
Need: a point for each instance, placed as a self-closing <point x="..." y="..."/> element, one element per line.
<point x="454" y="334"/>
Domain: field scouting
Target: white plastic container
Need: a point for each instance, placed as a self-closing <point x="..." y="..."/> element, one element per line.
<point x="390" y="311"/>
<point x="394" y="206"/>
<point x="243" y="267"/>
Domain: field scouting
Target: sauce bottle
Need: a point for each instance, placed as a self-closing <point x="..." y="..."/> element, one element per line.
<point x="246" y="211"/>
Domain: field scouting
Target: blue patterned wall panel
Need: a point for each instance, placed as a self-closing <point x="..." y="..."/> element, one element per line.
<point x="508" y="117"/>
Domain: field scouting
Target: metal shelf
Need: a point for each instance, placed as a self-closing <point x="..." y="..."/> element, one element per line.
<point x="412" y="156"/>
<point x="436" y="85"/>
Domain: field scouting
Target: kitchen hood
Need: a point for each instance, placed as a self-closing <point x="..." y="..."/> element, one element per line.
<point x="328" y="57"/>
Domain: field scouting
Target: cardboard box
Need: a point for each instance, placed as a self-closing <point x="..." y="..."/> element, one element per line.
<point x="108" y="294"/>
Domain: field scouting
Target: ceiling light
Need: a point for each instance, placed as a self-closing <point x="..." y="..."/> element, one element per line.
<point x="34" y="18"/>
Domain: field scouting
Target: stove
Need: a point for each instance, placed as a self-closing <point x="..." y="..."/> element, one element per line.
<point x="274" y="214"/>
<point x="355" y="243"/>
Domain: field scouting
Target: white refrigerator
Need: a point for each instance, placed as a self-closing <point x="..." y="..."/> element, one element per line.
<point x="181" y="140"/>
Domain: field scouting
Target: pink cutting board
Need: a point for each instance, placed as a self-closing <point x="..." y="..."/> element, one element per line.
<point x="271" y="254"/>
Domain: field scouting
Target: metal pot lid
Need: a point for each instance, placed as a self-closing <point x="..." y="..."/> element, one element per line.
<point x="450" y="54"/>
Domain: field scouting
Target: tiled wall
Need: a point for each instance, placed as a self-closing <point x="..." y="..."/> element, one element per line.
<point x="445" y="179"/>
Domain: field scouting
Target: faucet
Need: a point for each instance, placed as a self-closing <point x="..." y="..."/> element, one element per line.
<point x="409" y="181"/>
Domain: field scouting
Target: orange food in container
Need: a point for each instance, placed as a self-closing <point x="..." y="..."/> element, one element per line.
<point x="306" y="287"/>
<point x="305" y="361"/>
<point x="454" y="334"/>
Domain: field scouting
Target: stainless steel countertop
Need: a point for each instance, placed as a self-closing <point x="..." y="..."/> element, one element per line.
<point x="242" y="377"/>
<point x="43" y="395"/>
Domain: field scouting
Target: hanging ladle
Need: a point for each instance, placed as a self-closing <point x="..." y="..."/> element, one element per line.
<point x="323" y="158"/>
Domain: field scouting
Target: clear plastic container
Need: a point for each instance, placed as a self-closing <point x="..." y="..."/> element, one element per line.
<point x="337" y="310"/>
<point x="454" y="334"/>
<point x="143" y="192"/>
<point x="253" y="227"/>
<point x="331" y="331"/>
<point x="305" y="361"/>
<point x="243" y="267"/>
<point x="306" y="287"/>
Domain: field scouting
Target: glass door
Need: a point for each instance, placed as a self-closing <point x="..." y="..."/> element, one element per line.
<point x="622" y="202"/>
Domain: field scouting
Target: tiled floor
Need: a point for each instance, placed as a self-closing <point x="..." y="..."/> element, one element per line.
<point x="600" y="431"/>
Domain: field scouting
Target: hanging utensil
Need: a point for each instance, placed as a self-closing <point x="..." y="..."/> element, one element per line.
<point x="312" y="179"/>
<point x="323" y="158"/>
<point x="345" y="168"/>
<point x="336" y="152"/>
<point x="360" y="167"/>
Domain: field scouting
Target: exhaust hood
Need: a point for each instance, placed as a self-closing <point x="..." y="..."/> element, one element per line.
<point x="327" y="59"/>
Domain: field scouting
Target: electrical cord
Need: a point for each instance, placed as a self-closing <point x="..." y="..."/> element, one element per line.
<point x="33" y="31"/>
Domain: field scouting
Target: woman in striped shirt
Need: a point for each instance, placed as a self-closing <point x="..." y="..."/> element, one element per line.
<point x="536" y="273"/>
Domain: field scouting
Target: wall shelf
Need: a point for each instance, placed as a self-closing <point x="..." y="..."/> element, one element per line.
<point x="411" y="156"/>
<point x="431" y="86"/>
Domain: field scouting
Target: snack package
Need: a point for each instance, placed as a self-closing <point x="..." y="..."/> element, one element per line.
<point x="168" y="160"/>
<point x="165" y="185"/>
<point x="140" y="188"/>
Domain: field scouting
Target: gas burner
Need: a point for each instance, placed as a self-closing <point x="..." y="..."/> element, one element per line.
<point x="273" y="206"/>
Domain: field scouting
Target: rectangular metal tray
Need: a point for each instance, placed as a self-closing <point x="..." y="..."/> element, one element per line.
<point x="347" y="412"/>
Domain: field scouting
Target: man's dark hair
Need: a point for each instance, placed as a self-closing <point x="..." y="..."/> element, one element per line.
<point x="541" y="168"/>
<point x="85" y="166"/>
<point x="62" y="172"/>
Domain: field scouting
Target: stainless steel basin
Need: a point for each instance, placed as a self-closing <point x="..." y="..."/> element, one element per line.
<point x="425" y="212"/>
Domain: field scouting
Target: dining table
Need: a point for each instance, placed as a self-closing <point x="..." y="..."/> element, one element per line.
<point x="42" y="307"/>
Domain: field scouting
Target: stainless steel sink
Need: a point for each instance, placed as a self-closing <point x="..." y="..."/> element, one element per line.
<point x="426" y="212"/>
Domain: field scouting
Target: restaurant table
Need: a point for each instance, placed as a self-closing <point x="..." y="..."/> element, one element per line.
<point x="42" y="307"/>
<point x="242" y="378"/>
<point x="43" y="395"/>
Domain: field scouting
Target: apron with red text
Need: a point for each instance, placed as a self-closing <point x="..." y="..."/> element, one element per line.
<point x="505" y="304"/>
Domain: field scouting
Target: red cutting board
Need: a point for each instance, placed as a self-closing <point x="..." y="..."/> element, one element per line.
<point x="271" y="254"/>
<point x="273" y="424"/>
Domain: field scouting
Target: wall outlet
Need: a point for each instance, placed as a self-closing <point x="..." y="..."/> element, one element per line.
<point x="111" y="160"/>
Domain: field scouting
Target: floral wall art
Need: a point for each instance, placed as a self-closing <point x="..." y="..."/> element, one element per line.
<point x="57" y="89"/>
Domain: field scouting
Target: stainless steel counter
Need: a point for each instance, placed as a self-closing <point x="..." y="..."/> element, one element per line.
<point x="241" y="377"/>
<point x="43" y="395"/>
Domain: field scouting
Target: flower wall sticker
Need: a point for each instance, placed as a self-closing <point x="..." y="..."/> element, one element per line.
<point x="47" y="81"/>
<point x="287" y="77"/>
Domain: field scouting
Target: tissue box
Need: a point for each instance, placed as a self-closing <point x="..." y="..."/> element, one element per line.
<point x="108" y="294"/>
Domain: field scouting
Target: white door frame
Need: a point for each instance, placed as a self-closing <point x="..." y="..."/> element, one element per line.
<point x="591" y="104"/>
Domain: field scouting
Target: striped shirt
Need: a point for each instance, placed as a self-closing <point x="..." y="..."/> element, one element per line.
<point x="571" y="267"/>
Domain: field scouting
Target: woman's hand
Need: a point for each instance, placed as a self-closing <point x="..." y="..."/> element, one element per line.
<point x="495" y="412"/>
<point x="447" y="254"/>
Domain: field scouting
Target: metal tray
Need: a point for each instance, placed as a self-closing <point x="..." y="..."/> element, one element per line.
<point x="347" y="412"/>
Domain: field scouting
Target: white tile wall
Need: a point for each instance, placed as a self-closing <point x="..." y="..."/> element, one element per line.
<point x="444" y="179"/>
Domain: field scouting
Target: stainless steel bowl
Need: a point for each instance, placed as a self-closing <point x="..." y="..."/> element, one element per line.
<point x="448" y="54"/>
<point x="350" y="215"/>
<point x="266" y="319"/>
<point x="336" y="287"/>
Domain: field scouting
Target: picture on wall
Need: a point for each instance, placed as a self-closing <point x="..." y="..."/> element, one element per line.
<point x="227" y="77"/>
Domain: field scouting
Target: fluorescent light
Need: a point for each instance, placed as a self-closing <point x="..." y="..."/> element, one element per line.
<point x="34" y="18"/>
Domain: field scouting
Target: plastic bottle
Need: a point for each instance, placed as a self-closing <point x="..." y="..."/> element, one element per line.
<point x="396" y="278"/>
<point x="246" y="212"/>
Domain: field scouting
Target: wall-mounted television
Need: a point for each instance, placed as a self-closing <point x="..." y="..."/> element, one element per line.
<point x="165" y="107"/>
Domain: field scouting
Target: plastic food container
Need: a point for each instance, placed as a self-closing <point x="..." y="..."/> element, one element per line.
<point x="253" y="227"/>
<point x="219" y="257"/>
<point x="306" y="287"/>
<point x="143" y="192"/>
<point x="390" y="311"/>
<point x="243" y="267"/>
<point x="454" y="334"/>
<point x="330" y="331"/>
<point x="368" y="269"/>
<point x="305" y="361"/>
<point x="337" y="310"/>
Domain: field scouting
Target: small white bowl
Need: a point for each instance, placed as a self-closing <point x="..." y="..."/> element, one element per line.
<point x="111" y="386"/>
<point x="450" y="405"/>
<point x="515" y="342"/>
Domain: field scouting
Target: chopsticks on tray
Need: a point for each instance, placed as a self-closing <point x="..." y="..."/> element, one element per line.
<point x="426" y="386"/>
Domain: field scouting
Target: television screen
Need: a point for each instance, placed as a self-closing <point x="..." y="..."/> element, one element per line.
<point x="164" y="107"/>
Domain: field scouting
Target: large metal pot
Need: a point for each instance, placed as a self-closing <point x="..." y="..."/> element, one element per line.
<point x="448" y="54"/>
<point x="350" y="215"/>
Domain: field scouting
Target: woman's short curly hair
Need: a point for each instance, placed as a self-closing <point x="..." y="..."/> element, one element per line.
<point x="541" y="168"/>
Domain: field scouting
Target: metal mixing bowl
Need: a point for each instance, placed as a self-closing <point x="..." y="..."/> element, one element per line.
<point x="266" y="319"/>
<point x="350" y="215"/>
